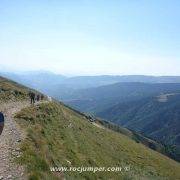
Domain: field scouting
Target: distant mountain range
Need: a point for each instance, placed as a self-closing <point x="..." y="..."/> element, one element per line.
<point x="61" y="87"/>
<point x="35" y="79"/>
<point x="101" y="98"/>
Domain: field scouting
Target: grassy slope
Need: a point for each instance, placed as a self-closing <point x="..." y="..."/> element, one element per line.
<point x="10" y="90"/>
<point x="153" y="117"/>
<point x="56" y="134"/>
<point x="133" y="135"/>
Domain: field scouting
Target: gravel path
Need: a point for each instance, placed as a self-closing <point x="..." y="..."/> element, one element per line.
<point x="9" y="142"/>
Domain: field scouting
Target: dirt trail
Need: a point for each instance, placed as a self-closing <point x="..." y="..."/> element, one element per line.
<point x="98" y="125"/>
<point x="10" y="140"/>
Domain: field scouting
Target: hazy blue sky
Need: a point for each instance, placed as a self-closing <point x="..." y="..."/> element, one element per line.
<point x="91" y="36"/>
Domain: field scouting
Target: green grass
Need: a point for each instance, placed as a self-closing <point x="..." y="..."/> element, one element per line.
<point x="169" y="151"/>
<point x="12" y="91"/>
<point x="57" y="134"/>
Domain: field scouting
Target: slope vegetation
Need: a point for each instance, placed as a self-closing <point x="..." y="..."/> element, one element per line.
<point x="13" y="97"/>
<point x="12" y="91"/>
<point x="58" y="136"/>
<point x="157" y="118"/>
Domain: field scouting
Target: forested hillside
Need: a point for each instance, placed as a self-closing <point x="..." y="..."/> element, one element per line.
<point x="98" y="99"/>
<point x="156" y="117"/>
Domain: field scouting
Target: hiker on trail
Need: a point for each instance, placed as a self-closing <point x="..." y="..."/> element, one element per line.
<point x="1" y="122"/>
<point x="32" y="97"/>
<point x="38" y="97"/>
<point x="42" y="97"/>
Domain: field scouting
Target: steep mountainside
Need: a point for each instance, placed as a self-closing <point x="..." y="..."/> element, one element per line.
<point x="152" y="116"/>
<point x="157" y="117"/>
<point x="57" y="136"/>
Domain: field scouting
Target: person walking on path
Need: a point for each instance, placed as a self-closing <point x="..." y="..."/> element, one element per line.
<point x="1" y="122"/>
<point x="38" y="97"/>
<point x="32" y="97"/>
<point x="42" y="97"/>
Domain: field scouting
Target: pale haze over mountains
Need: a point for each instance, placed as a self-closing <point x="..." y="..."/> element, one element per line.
<point x="91" y="37"/>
